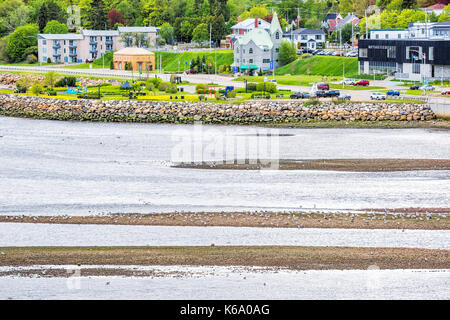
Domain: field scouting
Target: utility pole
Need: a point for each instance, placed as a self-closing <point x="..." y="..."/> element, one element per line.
<point x="352" y="29"/>
<point x="210" y="28"/>
<point x="298" y="17"/>
<point x="365" y="18"/>
<point x="340" y="45"/>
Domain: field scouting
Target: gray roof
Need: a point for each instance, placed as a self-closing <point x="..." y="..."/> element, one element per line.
<point x="441" y="24"/>
<point x="104" y="33"/>
<point x="304" y="31"/>
<point x="137" y="29"/>
<point x="62" y="36"/>
<point x="250" y="22"/>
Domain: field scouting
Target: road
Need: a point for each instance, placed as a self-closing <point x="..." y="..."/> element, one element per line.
<point x="357" y="95"/>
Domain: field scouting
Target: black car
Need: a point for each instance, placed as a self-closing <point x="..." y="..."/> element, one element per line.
<point x="299" y="95"/>
<point x="325" y="94"/>
<point x="333" y="93"/>
<point x="415" y="87"/>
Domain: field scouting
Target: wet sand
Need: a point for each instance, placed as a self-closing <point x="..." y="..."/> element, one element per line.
<point x="352" y="165"/>
<point x="422" y="218"/>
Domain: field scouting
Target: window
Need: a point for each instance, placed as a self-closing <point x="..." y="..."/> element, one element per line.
<point x="276" y="49"/>
<point x="250" y="51"/>
<point x="44" y="59"/>
<point x="304" y="38"/>
<point x="44" y="50"/>
<point x="318" y="37"/>
<point x="386" y="36"/>
<point x="251" y="61"/>
<point x="266" y="60"/>
<point x="431" y="53"/>
<point x="44" y="42"/>
<point x="363" y="52"/>
<point x="243" y="51"/>
<point x="408" y="56"/>
<point x="391" y="52"/>
<point x="237" y="50"/>
<point x="237" y="60"/>
<point x="277" y="35"/>
<point x="416" y="68"/>
<point x="377" y="36"/>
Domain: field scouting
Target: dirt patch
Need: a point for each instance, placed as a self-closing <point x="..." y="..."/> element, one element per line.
<point x="354" y="165"/>
<point x="419" y="219"/>
<point x="301" y="258"/>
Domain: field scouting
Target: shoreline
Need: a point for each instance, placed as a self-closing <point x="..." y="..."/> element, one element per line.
<point x="406" y="220"/>
<point x="292" y="257"/>
<point x="348" y="165"/>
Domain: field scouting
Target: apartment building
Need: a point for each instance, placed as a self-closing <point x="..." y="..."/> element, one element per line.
<point x="89" y="44"/>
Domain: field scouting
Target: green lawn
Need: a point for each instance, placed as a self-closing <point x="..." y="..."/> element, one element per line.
<point x="321" y="65"/>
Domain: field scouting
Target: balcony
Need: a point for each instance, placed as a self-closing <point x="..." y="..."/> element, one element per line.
<point x="56" y="45"/>
<point x="73" y="54"/>
<point x="91" y="50"/>
<point x="72" y="45"/>
<point x="109" y="41"/>
<point x="57" y="54"/>
<point x="93" y="42"/>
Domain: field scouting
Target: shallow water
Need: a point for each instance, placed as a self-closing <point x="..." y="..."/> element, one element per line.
<point x="78" y="168"/>
<point x="235" y="283"/>
<point x="30" y="234"/>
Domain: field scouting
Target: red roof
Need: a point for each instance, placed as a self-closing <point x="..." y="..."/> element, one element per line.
<point x="436" y="6"/>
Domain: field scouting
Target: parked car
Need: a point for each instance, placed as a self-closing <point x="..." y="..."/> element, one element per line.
<point x="361" y="83"/>
<point x="323" y="86"/>
<point x="377" y="96"/>
<point x="299" y="95"/>
<point x="344" y="96"/>
<point x="415" y="87"/>
<point x="326" y="94"/>
<point x="427" y="87"/>
<point x="348" y="81"/>
<point x="393" y="93"/>
<point x="191" y="72"/>
<point x="445" y="92"/>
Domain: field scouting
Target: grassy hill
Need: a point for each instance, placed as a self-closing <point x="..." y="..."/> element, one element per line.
<point x="321" y="65"/>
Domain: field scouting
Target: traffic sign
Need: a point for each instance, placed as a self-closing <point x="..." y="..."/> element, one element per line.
<point x="271" y="65"/>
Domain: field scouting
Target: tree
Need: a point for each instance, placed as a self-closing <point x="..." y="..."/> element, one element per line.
<point x="53" y="26"/>
<point x="345" y="7"/>
<point x="95" y="14"/>
<point x="395" y="5"/>
<point x="288" y="52"/>
<point x="186" y="31"/>
<point x="21" y="39"/>
<point x="49" y="10"/>
<point x="200" y="33"/>
<point x="16" y="18"/>
<point x="50" y="79"/>
<point x="115" y="17"/>
<point x="205" y="9"/>
<point x="254" y="12"/>
<point x="166" y="32"/>
<point x="445" y="15"/>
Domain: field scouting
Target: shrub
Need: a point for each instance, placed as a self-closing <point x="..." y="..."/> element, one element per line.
<point x="163" y="86"/>
<point x="69" y="81"/>
<point x="149" y="85"/>
<point x="270" y="87"/>
<point x="251" y="86"/>
<point x="312" y="102"/>
<point x="128" y="66"/>
<point x="173" y="78"/>
<point x="260" y="94"/>
<point x="172" y="88"/>
<point x="23" y="84"/>
<point x="111" y="65"/>
<point x="49" y="60"/>
<point x="31" y="58"/>
<point x="37" y="88"/>
<point x="231" y="94"/>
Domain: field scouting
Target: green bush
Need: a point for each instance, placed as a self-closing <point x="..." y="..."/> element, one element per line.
<point x="251" y="86"/>
<point x="31" y="58"/>
<point x="111" y="65"/>
<point x="49" y="60"/>
<point x="69" y="81"/>
<point x="23" y="84"/>
<point x="128" y="66"/>
<point x="270" y="87"/>
<point x="163" y="86"/>
<point x="37" y="88"/>
<point x="231" y="94"/>
<point x="172" y="88"/>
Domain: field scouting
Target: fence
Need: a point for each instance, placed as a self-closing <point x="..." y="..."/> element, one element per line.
<point x="440" y="107"/>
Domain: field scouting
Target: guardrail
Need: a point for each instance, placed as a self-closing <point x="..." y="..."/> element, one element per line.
<point x="425" y="99"/>
<point x="441" y="108"/>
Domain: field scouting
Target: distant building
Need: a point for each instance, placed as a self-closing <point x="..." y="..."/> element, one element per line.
<point x="258" y="48"/>
<point x="141" y="59"/>
<point x="435" y="8"/>
<point x="306" y="38"/>
<point x="389" y="34"/>
<point x="242" y="27"/>
<point x="331" y="21"/>
<point x="409" y="59"/>
<point x="350" y="18"/>
<point x="89" y="44"/>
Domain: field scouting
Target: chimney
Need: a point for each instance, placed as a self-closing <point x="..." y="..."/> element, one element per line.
<point x="256" y="22"/>
<point x="239" y="19"/>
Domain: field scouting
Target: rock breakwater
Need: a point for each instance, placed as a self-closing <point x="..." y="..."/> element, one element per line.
<point x="188" y="112"/>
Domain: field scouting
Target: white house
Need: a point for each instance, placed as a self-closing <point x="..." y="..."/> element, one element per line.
<point x="306" y="38"/>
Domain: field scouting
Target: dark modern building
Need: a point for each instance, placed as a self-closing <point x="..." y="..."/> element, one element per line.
<point x="411" y="59"/>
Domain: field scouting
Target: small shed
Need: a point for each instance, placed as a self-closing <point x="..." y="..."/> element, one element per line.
<point x="140" y="59"/>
